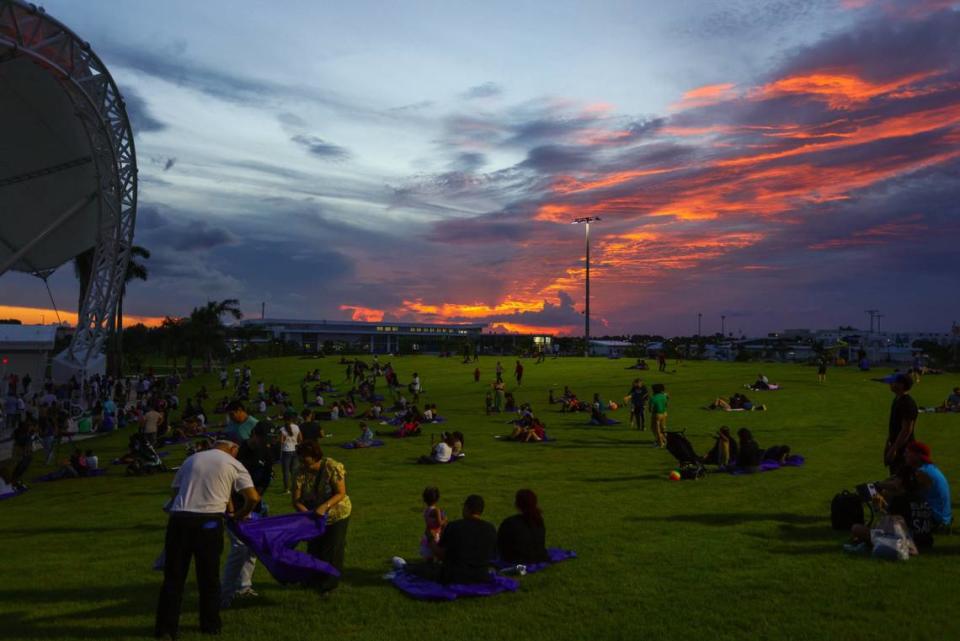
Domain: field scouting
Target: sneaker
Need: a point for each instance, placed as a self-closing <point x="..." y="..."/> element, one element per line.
<point x="246" y="592"/>
<point x="855" y="548"/>
<point x="398" y="562"/>
<point x="389" y="576"/>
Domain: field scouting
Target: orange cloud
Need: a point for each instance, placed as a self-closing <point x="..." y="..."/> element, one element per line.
<point x="366" y="314"/>
<point x="838" y="90"/>
<point x="477" y="310"/>
<point x="705" y="95"/>
<point x="519" y="328"/>
<point x="40" y="315"/>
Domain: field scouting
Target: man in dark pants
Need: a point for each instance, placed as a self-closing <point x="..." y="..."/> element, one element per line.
<point x="638" y="397"/>
<point x="201" y="496"/>
<point x="902" y="424"/>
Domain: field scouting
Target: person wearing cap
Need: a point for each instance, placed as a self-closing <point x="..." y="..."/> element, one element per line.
<point x="239" y="422"/>
<point x="202" y="491"/>
<point x="254" y="454"/>
<point x="902" y="424"/>
<point x="920" y="494"/>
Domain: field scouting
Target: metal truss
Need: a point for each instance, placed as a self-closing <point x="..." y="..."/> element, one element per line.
<point x="26" y="30"/>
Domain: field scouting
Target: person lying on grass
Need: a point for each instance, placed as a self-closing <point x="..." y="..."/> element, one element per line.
<point x="750" y="454"/>
<point x="736" y="403"/>
<point x="466" y="549"/>
<point x="920" y="494"/>
<point x="762" y="383"/>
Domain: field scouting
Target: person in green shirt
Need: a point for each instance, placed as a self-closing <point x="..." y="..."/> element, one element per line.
<point x="658" y="414"/>
<point x="239" y="423"/>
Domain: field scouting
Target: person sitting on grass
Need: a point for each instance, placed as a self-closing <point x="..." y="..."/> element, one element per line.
<point x="528" y="431"/>
<point x="440" y="452"/>
<point x="434" y="520"/>
<point x="952" y="404"/>
<point x="762" y="383"/>
<point x="466" y="549"/>
<point x="920" y="494"/>
<point x="749" y="454"/>
<point x="366" y="436"/>
<point x="724" y="449"/>
<point x="522" y="538"/>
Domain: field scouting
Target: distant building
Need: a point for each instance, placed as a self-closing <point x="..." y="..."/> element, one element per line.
<point x="383" y="337"/>
<point x="609" y="348"/>
<point x="25" y="349"/>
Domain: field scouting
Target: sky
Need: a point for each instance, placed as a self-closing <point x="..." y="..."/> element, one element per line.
<point x="782" y="164"/>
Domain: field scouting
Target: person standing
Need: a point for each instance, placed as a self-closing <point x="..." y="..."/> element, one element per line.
<point x="902" y="423"/>
<point x="822" y="370"/>
<point x="638" y="398"/>
<point x="518" y="372"/>
<point x="152" y="421"/>
<point x="320" y="487"/>
<point x="239" y="422"/>
<point x="254" y="455"/>
<point x="290" y="437"/>
<point x="658" y="414"/>
<point x="202" y="489"/>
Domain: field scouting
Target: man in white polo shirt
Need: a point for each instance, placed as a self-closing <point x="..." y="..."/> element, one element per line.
<point x="201" y="497"/>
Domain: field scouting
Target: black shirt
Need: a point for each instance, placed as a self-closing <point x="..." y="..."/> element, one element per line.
<point x="750" y="454"/>
<point x="519" y="541"/>
<point x="259" y="464"/>
<point x="310" y="430"/>
<point x="904" y="408"/>
<point x="918" y="516"/>
<point x="469" y="546"/>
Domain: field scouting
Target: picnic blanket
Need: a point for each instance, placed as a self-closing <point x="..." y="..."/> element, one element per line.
<point x="554" y="556"/>
<point x="352" y="445"/>
<point x="606" y="421"/>
<point x="506" y="439"/>
<point x="426" y="590"/>
<point x="274" y="539"/>
<point x="794" y="460"/>
<point x="11" y="495"/>
<point x="58" y="475"/>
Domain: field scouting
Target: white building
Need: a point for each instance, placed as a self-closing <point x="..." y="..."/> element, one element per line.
<point x="614" y="349"/>
<point x="26" y="349"/>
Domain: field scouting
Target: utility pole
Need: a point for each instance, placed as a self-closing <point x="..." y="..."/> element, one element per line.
<point x="872" y="313"/>
<point x="723" y="325"/>
<point x="699" y="319"/>
<point x="263" y="310"/>
<point x="586" y="220"/>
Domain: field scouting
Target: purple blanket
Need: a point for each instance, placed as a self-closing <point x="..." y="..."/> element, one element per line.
<point x="11" y="495"/>
<point x="417" y="588"/>
<point x="58" y="475"/>
<point x="554" y="555"/>
<point x="353" y="446"/>
<point x="273" y="540"/>
<point x="794" y="460"/>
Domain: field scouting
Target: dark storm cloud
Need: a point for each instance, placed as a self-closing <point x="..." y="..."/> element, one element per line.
<point x="884" y="49"/>
<point x="469" y="161"/>
<point x="321" y="148"/>
<point x="739" y="18"/>
<point x="484" y="90"/>
<point x="555" y="158"/>
<point x="497" y="228"/>
<point x="139" y="114"/>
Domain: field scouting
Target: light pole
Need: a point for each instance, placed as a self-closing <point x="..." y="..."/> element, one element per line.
<point x="723" y="325"/>
<point x="586" y="220"/>
<point x="699" y="319"/>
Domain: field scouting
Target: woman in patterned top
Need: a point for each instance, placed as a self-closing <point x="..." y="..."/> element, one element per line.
<point x="320" y="487"/>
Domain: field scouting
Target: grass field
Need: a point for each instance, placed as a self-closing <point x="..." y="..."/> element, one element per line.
<point x="722" y="558"/>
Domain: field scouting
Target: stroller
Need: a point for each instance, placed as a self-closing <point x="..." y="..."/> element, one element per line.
<point x="145" y="457"/>
<point x="682" y="450"/>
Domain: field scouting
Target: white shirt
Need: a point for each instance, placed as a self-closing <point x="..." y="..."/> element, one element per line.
<point x="288" y="442"/>
<point x="442" y="452"/>
<point x="93" y="462"/>
<point x="334" y="412"/>
<point x="206" y="480"/>
<point x="150" y="421"/>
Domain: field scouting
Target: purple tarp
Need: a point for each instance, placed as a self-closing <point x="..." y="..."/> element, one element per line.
<point x="273" y="541"/>
<point x="417" y="588"/>
<point x="795" y="460"/>
<point x="11" y="495"/>
<point x="353" y="446"/>
<point x="554" y="555"/>
<point x="58" y="475"/>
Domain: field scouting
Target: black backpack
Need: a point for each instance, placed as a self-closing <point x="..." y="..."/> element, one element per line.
<point x="846" y="509"/>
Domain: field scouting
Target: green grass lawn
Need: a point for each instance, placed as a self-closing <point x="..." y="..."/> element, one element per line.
<point x="722" y="558"/>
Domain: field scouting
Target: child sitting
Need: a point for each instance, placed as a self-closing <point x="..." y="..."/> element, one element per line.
<point x="366" y="436"/>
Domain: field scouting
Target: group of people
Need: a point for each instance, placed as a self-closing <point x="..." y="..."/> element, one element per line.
<point x="465" y="550"/>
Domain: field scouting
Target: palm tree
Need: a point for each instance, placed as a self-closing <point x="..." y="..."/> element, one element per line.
<point x="82" y="269"/>
<point x="135" y="271"/>
<point x="206" y="333"/>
